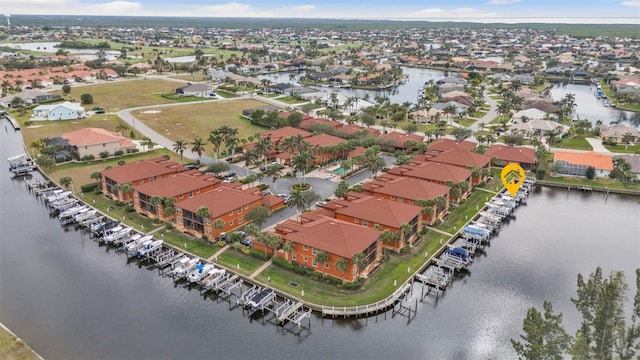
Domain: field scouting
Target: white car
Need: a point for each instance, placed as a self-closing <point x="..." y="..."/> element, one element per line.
<point x="330" y="176"/>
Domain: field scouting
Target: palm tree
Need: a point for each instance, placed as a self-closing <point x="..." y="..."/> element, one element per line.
<point x="218" y="225"/>
<point x="231" y="143"/>
<point x="441" y="203"/>
<point x="155" y="201"/>
<point x="360" y="261"/>
<point x="198" y="146"/>
<point x="287" y="246"/>
<point x="389" y="237"/>
<point x="97" y="176"/>
<point x="342" y="265"/>
<point x="66" y="181"/>
<point x="449" y="110"/>
<point x="301" y="163"/>
<point x="122" y="127"/>
<point x="274" y="172"/>
<point x="274" y="242"/>
<point x="263" y="147"/>
<point x="333" y="99"/>
<point x="321" y="258"/>
<point x="125" y="189"/>
<point x="406" y="229"/>
<point x="216" y="140"/>
<point x="297" y="200"/>
<point x="203" y="213"/>
<point x="179" y="146"/>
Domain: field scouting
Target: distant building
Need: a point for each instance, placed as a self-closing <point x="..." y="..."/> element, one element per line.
<point x="619" y="134"/>
<point x="64" y="111"/>
<point x="93" y="141"/>
<point x="511" y="155"/>
<point x="577" y="163"/>
<point x="198" y="90"/>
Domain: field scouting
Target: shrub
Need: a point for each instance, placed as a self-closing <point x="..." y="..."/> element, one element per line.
<point x="540" y="173"/>
<point x="352" y="285"/>
<point x="104" y="154"/>
<point x="129" y="208"/>
<point x="131" y="151"/>
<point x="88" y="158"/>
<point x="332" y="280"/>
<point x="120" y="203"/>
<point x="221" y="243"/>
<point x="86" y="99"/>
<point x="118" y="152"/>
<point x="89" y="187"/>
<point x="169" y="226"/>
<point x="260" y="255"/>
<point x="97" y="192"/>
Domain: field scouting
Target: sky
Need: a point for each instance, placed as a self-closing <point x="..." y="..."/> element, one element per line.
<point x="508" y="11"/>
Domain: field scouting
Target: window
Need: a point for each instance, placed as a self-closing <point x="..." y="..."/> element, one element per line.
<point x="314" y="251"/>
<point x="314" y="262"/>
<point x="158" y="177"/>
<point x="356" y="220"/>
<point x="104" y="145"/>
<point x="207" y="221"/>
<point x="400" y="200"/>
<point x="305" y="259"/>
<point x="293" y="256"/>
<point x="150" y="179"/>
<point x="392" y="197"/>
<point x="86" y="148"/>
<point x="240" y="210"/>
<point x="190" y="194"/>
<point x="181" y="197"/>
<point x="305" y="247"/>
<point x="365" y="223"/>
<point x="178" y="210"/>
<point x="208" y="230"/>
<point x="141" y="181"/>
<point x="231" y="213"/>
<point x="240" y="220"/>
<point x="197" y="191"/>
<point x="327" y="266"/>
<point x="179" y="220"/>
<point x="246" y="206"/>
<point x="230" y="222"/>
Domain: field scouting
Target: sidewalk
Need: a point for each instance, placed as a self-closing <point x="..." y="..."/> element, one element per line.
<point x="260" y="269"/>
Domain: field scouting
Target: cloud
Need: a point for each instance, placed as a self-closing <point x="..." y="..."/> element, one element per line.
<point x="459" y="13"/>
<point x="632" y="3"/>
<point x="65" y="7"/>
<point x="232" y="9"/>
<point x="503" y="2"/>
<point x="116" y="8"/>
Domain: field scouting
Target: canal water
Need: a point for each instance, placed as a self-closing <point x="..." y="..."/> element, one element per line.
<point x="67" y="297"/>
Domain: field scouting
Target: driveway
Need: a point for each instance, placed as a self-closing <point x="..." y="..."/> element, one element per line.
<point x="597" y="146"/>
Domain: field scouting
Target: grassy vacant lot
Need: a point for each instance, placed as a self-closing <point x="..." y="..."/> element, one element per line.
<point x="231" y="258"/>
<point x="187" y="122"/>
<point x="191" y="77"/>
<point x="13" y="348"/>
<point x="113" y="96"/>
<point x="576" y="142"/>
<point x="80" y="172"/>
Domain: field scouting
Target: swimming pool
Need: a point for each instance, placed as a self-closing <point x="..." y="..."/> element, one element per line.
<point x="339" y="171"/>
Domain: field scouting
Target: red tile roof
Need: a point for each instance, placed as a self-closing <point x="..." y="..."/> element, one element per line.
<point x="444" y="144"/>
<point x="408" y="188"/>
<point x="352" y="129"/>
<point x="325" y="140"/>
<point x="142" y="169"/>
<point x="177" y="184"/>
<point x="332" y="235"/>
<point x="462" y="158"/>
<point x="398" y="140"/>
<point x="221" y="201"/>
<point x="521" y="155"/>
<point x="591" y="158"/>
<point x="285" y="114"/>
<point x="96" y="136"/>
<point x="310" y="123"/>
<point x="378" y="211"/>
<point x="284" y="133"/>
<point x="434" y="171"/>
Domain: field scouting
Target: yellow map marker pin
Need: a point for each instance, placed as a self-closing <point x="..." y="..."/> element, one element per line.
<point x="512" y="177"/>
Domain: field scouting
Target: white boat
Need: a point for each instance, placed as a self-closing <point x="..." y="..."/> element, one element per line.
<point x="87" y="214"/>
<point x="64" y="203"/>
<point x="130" y="239"/>
<point x="51" y="194"/>
<point x="212" y="278"/>
<point x="132" y="247"/>
<point x="72" y="211"/>
<point x="148" y="248"/>
<point x="117" y="235"/>
<point x="184" y="266"/>
<point x="259" y="298"/>
<point x="199" y="272"/>
<point x="57" y="196"/>
<point x="107" y="233"/>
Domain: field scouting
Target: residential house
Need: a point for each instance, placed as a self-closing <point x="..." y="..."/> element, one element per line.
<point x="339" y="239"/>
<point x="29" y="97"/>
<point x="325" y="147"/>
<point x="64" y="111"/>
<point x="619" y="134"/>
<point x="355" y="131"/>
<point x="504" y="155"/>
<point x="230" y="205"/>
<point x="409" y="190"/>
<point x="178" y="186"/>
<point x="633" y="161"/>
<point x="197" y="90"/>
<point x="318" y="124"/>
<point x="444" y="144"/>
<point x="439" y="173"/>
<point x="577" y="163"/>
<point x="93" y="141"/>
<point x="136" y="173"/>
<point x="540" y="127"/>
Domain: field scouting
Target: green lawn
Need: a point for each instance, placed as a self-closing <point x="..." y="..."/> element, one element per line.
<point x="226" y="94"/>
<point x="599" y="182"/>
<point x="479" y="114"/>
<point x="630" y="149"/>
<point x="290" y="100"/>
<point x="463" y="213"/>
<point x="231" y="258"/>
<point x="195" y="246"/>
<point x="133" y="219"/>
<point x="576" y="142"/>
<point x="179" y="98"/>
<point x="497" y="119"/>
<point x="466" y="122"/>
<point x="495" y="97"/>
<point x="14" y="348"/>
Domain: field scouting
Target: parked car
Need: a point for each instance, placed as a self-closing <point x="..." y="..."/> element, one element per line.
<point x="192" y="167"/>
<point x="320" y="203"/>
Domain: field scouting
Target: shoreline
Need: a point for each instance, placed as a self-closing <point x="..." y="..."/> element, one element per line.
<point x="7" y="352"/>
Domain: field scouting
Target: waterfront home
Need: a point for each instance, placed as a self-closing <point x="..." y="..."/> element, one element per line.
<point x="438" y="173"/>
<point x="136" y="173"/>
<point x="409" y="190"/>
<point x="503" y="155"/>
<point x="467" y="159"/>
<point x="339" y="239"/>
<point x="633" y="161"/>
<point x="64" y="111"/>
<point x="91" y="142"/>
<point x="394" y="140"/>
<point x="318" y="124"/>
<point x="529" y="114"/>
<point x="619" y="134"/>
<point x="29" y="97"/>
<point x="540" y="127"/>
<point x="176" y="187"/>
<point x="355" y="131"/>
<point x="197" y="90"/>
<point x="230" y="205"/>
<point x="577" y="163"/>
<point x="444" y="144"/>
<point x="377" y="212"/>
